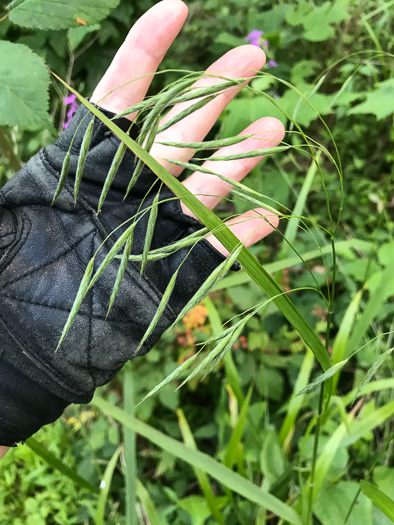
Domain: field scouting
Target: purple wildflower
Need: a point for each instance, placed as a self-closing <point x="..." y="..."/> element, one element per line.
<point x="266" y="44"/>
<point x="70" y="101"/>
<point x="253" y="37"/>
<point x="272" y="63"/>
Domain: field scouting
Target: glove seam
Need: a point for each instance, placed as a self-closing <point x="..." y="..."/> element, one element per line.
<point x="34" y="357"/>
<point x="20" y="239"/>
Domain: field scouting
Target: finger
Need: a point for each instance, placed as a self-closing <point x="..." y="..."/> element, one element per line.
<point x="139" y="57"/>
<point x="241" y="62"/>
<point x="268" y="132"/>
<point x="250" y="227"/>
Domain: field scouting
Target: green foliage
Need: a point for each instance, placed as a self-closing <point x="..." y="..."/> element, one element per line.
<point x="57" y="14"/>
<point x="21" y="105"/>
<point x="257" y="443"/>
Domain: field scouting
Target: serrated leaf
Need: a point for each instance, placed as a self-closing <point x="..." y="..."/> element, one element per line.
<point x="58" y="14"/>
<point x="22" y="103"/>
<point x="380" y="102"/>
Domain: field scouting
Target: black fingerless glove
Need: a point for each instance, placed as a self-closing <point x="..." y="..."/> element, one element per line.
<point x="44" y="251"/>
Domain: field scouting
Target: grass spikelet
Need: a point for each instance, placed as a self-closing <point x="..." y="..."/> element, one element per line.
<point x="163" y="303"/>
<point x="186" y="112"/>
<point x="149" y="231"/>
<point x="63" y="177"/>
<point x="209" y="144"/>
<point x="83" y="290"/>
<point x="122" y="268"/>
<point x="82" y="157"/>
<point x="111" y="173"/>
<point x="212" y="280"/>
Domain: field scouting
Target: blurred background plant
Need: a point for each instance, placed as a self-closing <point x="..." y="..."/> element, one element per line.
<point x="244" y="413"/>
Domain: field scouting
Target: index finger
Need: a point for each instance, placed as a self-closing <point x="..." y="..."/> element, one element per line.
<point x="139" y="57"/>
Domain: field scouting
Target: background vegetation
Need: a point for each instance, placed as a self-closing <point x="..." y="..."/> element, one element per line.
<point x="244" y="414"/>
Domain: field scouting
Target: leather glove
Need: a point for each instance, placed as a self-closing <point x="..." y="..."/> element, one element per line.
<point x="44" y="251"/>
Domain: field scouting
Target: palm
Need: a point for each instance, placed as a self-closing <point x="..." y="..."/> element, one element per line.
<point x="134" y="65"/>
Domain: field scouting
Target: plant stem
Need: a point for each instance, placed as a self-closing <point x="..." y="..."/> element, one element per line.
<point x="314" y="457"/>
<point x="9" y="154"/>
<point x="130" y="450"/>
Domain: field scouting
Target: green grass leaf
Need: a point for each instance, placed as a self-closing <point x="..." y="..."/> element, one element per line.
<point x="378" y="498"/>
<point x="202" y="461"/>
<point x="105" y="486"/>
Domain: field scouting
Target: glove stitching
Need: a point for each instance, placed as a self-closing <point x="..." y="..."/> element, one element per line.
<point x="20" y="239"/>
<point x="150" y="289"/>
<point x="48" y="263"/>
<point x="36" y="359"/>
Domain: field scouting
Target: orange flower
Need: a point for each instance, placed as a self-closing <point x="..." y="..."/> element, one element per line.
<point x="196" y="317"/>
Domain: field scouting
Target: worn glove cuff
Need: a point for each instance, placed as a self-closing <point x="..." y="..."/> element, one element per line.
<point x="25" y="406"/>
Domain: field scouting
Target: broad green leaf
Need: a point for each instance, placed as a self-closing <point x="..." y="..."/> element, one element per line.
<point x="380" y="102"/>
<point x="77" y="35"/>
<point x="202" y="461"/>
<point x="378" y="498"/>
<point x="24" y="84"/>
<point x="272" y="460"/>
<point x="58" y="14"/>
<point x="334" y="502"/>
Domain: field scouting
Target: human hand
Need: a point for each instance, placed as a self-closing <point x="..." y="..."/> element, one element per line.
<point x="45" y="249"/>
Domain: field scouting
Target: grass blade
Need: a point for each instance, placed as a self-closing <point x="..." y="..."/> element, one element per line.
<point x="147" y="502"/>
<point x="105" y="486"/>
<point x="57" y="464"/>
<point x="202" y="461"/>
<point x="130" y="451"/>
<point x="200" y="475"/>
<point x="378" y="498"/>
